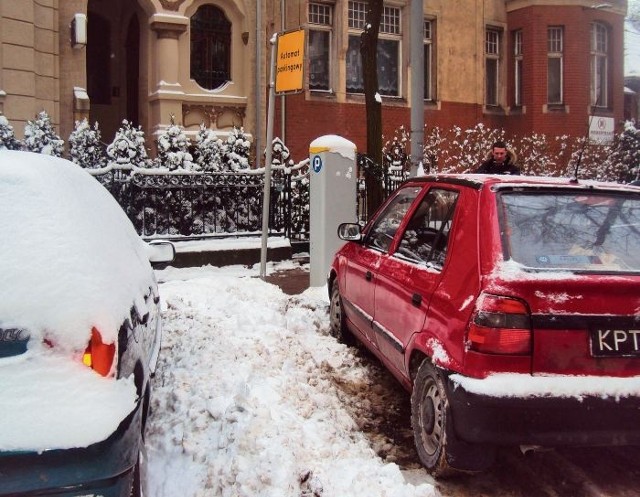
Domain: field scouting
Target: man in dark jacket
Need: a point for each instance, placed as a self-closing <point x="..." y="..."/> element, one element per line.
<point x="502" y="161"/>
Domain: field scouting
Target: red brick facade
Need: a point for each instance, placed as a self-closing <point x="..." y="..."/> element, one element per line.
<point x="309" y="116"/>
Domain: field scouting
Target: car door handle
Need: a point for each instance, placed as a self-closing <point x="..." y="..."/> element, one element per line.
<point x="368" y="276"/>
<point x="416" y="299"/>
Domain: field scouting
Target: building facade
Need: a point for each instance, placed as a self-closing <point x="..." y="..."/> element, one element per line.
<point x="522" y="65"/>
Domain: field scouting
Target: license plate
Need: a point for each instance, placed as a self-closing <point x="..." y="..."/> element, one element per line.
<point x="615" y="342"/>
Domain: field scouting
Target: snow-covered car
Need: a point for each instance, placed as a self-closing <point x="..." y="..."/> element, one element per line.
<point x="508" y="306"/>
<point x="80" y="332"/>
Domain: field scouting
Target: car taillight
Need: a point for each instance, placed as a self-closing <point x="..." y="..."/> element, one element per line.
<point x="500" y="325"/>
<point x="99" y="355"/>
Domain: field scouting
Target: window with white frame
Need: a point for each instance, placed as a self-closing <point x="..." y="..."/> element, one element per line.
<point x="388" y="49"/>
<point x="555" y="49"/>
<point x="319" y="50"/>
<point x="429" y="69"/>
<point x="599" y="65"/>
<point x="492" y="66"/>
<point x="517" y="67"/>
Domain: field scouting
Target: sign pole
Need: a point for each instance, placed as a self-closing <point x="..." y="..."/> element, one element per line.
<point x="266" y="197"/>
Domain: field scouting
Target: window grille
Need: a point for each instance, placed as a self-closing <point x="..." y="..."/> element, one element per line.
<point x="210" y="47"/>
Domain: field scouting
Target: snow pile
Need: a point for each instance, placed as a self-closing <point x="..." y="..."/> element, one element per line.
<point x="245" y="401"/>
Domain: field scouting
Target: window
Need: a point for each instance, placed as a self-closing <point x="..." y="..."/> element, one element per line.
<point x="388" y="49"/>
<point x="599" y="65"/>
<point x="320" y="24"/>
<point x="517" y="67"/>
<point x="426" y="238"/>
<point x="554" y="65"/>
<point x="583" y="230"/>
<point x="492" y="63"/>
<point x="384" y="230"/>
<point x="210" y="47"/>
<point x="429" y="72"/>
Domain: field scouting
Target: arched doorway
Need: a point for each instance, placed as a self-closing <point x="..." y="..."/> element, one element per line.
<point x="113" y="64"/>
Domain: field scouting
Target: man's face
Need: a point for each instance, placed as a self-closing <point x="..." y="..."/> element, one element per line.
<point x="499" y="154"/>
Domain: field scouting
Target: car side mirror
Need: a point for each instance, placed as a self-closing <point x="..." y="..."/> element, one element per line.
<point x="350" y="232"/>
<point x="161" y="253"/>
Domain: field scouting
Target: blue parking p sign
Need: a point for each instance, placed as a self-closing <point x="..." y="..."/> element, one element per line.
<point x="316" y="163"/>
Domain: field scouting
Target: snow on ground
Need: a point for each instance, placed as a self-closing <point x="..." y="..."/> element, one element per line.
<point x="245" y="401"/>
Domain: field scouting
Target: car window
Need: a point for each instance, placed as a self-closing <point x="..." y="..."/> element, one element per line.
<point x="385" y="226"/>
<point x="427" y="235"/>
<point x="573" y="231"/>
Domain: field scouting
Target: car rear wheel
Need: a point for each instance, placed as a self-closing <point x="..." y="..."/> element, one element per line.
<point x="436" y="442"/>
<point x="429" y="419"/>
<point x="337" y="318"/>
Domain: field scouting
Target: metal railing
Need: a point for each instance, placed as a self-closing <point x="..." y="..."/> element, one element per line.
<point x="177" y="204"/>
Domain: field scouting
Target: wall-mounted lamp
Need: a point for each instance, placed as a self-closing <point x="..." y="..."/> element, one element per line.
<point x="79" y="30"/>
<point x="245" y="37"/>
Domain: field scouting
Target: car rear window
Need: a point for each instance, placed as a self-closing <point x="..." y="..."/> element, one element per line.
<point x="572" y="230"/>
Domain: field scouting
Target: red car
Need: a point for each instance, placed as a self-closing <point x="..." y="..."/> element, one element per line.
<point x="508" y="306"/>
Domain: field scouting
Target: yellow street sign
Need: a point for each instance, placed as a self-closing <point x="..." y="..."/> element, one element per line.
<point x="290" y="62"/>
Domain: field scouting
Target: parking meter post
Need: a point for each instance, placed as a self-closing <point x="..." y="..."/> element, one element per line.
<point x="333" y="198"/>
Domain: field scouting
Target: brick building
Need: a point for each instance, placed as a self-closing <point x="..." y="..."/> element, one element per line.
<point x="523" y="65"/>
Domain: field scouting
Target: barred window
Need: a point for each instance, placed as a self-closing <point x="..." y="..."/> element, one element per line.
<point x="210" y="47"/>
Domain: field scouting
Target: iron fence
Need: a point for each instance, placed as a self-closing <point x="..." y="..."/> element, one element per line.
<point x="180" y="204"/>
<point x="176" y="204"/>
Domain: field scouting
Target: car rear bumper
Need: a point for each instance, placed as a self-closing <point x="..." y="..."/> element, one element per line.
<point x="104" y="468"/>
<point x="588" y="420"/>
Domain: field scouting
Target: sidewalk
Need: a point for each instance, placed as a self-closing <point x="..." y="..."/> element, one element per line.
<point x="290" y="281"/>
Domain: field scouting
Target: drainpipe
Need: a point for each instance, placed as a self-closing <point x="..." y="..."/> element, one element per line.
<point x="258" y="82"/>
<point x="417" y="85"/>
<point x="283" y="101"/>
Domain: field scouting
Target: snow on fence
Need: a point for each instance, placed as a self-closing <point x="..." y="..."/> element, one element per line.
<point x="179" y="203"/>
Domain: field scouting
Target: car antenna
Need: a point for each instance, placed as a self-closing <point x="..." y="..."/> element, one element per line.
<point x="585" y="142"/>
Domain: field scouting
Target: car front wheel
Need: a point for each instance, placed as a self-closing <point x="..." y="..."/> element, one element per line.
<point x="337" y="320"/>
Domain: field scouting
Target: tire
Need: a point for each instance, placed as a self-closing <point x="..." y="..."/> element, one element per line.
<point x="337" y="319"/>
<point x="440" y="451"/>
<point x="138" y="484"/>
<point x="429" y="419"/>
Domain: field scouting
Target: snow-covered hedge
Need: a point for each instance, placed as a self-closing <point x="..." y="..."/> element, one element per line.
<point x="445" y="150"/>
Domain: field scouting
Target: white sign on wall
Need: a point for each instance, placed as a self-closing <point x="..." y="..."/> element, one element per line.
<point x="601" y="130"/>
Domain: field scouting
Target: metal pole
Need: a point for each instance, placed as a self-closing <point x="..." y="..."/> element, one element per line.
<point x="417" y="85"/>
<point x="266" y="197"/>
<point x="258" y="126"/>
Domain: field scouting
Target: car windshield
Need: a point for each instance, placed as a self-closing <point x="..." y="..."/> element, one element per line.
<point x="585" y="231"/>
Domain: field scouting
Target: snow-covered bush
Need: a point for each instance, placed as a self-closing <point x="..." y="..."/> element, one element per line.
<point x="85" y="147"/>
<point x="128" y="147"/>
<point x="625" y="157"/>
<point x="40" y="137"/>
<point x="8" y="140"/>
<point x="173" y="149"/>
<point x="208" y="150"/>
<point x="280" y="155"/>
<point x="236" y="150"/>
